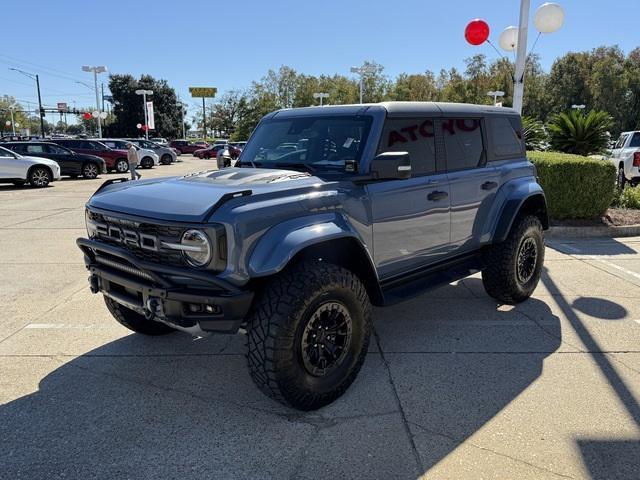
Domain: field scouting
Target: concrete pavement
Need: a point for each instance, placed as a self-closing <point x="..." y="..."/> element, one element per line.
<point x="454" y="387"/>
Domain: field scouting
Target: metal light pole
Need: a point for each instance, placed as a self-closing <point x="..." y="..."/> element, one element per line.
<point x="182" y="107"/>
<point x="362" y="71"/>
<point x="96" y="71"/>
<point x="495" y="94"/>
<point x="144" y="94"/>
<point x="521" y="56"/>
<point x="322" y="96"/>
<point x="35" y="77"/>
<point x="13" y="124"/>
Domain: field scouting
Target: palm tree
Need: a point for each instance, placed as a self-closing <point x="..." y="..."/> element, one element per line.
<point x="575" y="132"/>
<point x="535" y="135"/>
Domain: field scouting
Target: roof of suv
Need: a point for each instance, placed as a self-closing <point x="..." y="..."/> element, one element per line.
<point x="400" y="109"/>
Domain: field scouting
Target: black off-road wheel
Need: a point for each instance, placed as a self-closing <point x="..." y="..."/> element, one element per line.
<point x="513" y="267"/>
<point x="308" y="334"/>
<point x="136" y="322"/>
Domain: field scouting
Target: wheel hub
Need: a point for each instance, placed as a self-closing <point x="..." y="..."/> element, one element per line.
<point x="527" y="260"/>
<point x="326" y="338"/>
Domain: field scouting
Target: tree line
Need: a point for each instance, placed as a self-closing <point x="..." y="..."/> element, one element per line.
<point x="602" y="79"/>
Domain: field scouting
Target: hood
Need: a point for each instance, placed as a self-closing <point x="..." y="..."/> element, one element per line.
<point x="191" y="198"/>
<point x="40" y="160"/>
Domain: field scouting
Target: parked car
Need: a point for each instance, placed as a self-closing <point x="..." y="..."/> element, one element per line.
<point x="221" y="142"/>
<point x="184" y="146"/>
<point x="378" y="203"/>
<point x="71" y="163"/>
<point x="146" y="158"/>
<point x="165" y="153"/>
<point x="625" y="155"/>
<point x="160" y="141"/>
<point x="239" y="145"/>
<point x="17" y="169"/>
<point x="202" y="144"/>
<point x="209" y="152"/>
<point x="113" y="158"/>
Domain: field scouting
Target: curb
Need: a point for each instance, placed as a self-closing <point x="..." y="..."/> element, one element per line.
<point x="599" y="231"/>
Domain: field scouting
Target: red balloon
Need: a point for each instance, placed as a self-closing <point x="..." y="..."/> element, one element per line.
<point x="86" y="116"/>
<point x="477" y="32"/>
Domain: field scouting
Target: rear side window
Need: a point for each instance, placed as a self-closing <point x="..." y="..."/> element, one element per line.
<point x="412" y="135"/>
<point x="35" y="149"/>
<point x="621" y="140"/>
<point x="463" y="143"/>
<point x="635" y="141"/>
<point x="504" y="139"/>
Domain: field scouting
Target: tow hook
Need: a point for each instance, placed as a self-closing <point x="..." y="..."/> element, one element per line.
<point x="151" y="308"/>
<point x="94" y="284"/>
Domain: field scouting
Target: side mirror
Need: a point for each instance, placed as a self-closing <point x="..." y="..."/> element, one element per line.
<point x="391" y="166"/>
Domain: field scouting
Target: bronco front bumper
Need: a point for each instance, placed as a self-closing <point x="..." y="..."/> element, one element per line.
<point x="195" y="302"/>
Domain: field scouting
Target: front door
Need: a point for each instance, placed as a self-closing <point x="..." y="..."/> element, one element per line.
<point x="11" y="167"/>
<point x="411" y="218"/>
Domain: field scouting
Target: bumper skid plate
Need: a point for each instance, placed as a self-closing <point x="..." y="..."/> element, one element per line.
<point x="209" y="305"/>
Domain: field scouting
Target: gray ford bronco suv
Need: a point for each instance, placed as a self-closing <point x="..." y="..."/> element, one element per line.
<point x="329" y="210"/>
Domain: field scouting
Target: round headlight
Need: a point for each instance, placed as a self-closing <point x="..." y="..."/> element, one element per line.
<point x="92" y="230"/>
<point x="196" y="248"/>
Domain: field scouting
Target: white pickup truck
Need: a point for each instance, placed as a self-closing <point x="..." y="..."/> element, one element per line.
<point x="626" y="157"/>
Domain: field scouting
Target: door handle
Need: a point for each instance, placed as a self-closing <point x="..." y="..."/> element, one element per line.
<point x="489" y="185"/>
<point x="437" y="195"/>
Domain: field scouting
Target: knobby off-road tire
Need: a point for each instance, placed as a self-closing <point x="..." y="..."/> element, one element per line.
<point x="136" y="322"/>
<point x="286" y="321"/>
<point x="513" y="267"/>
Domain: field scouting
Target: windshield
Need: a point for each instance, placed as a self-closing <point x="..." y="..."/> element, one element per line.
<point x="312" y="143"/>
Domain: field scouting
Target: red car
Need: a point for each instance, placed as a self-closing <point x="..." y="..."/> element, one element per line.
<point x="184" y="146"/>
<point x="209" y="152"/>
<point x="113" y="159"/>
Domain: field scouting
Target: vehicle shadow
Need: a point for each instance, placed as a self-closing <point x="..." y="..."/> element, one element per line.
<point x="162" y="408"/>
<point x="9" y="187"/>
<point x="592" y="246"/>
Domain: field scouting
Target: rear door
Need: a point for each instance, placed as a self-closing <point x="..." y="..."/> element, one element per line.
<point x="411" y="224"/>
<point x="69" y="164"/>
<point x="473" y="181"/>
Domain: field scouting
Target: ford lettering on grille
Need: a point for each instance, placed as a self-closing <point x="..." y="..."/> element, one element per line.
<point x="127" y="237"/>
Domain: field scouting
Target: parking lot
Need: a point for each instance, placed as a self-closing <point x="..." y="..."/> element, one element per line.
<point x="454" y="387"/>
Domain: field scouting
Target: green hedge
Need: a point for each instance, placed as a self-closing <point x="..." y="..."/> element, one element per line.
<point x="575" y="186"/>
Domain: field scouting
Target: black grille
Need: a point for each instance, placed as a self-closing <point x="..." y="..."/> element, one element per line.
<point x="170" y="234"/>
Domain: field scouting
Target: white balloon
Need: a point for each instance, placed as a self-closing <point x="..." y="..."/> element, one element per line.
<point x="509" y="39"/>
<point x="8" y="123"/>
<point x="95" y="114"/>
<point x="17" y="125"/>
<point x="549" y="17"/>
<point x="138" y="125"/>
<point x="103" y="115"/>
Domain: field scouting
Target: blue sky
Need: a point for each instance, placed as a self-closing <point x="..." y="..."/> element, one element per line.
<point x="229" y="44"/>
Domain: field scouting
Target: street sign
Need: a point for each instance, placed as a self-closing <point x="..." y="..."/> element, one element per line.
<point x="203" y="92"/>
<point x="150" y="120"/>
<point x="62" y="107"/>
